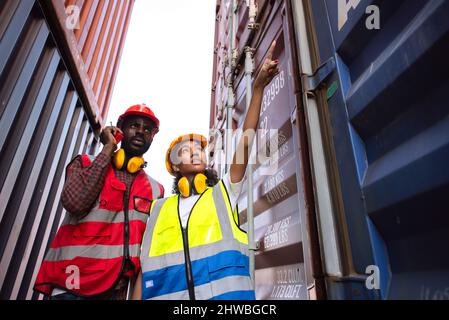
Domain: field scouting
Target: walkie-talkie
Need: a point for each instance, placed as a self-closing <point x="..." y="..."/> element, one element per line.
<point x="118" y="135"/>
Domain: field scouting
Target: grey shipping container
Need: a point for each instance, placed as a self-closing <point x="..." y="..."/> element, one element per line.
<point x="357" y="208"/>
<point x="52" y="108"/>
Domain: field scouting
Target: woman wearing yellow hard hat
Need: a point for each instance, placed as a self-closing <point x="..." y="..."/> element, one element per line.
<point x="193" y="247"/>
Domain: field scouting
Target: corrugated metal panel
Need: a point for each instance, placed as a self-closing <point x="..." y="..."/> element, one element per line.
<point x="91" y="35"/>
<point x="283" y="200"/>
<point x="389" y="125"/>
<point x="213" y="105"/>
<point x="45" y="123"/>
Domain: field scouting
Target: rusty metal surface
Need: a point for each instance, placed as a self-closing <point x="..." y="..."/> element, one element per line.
<point x="91" y="36"/>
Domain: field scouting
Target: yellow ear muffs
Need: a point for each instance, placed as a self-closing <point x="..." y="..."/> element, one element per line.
<point x="134" y="164"/>
<point x="199" y="183"/>
<point x="184" y="187"/>
<point x="119" y="159"/>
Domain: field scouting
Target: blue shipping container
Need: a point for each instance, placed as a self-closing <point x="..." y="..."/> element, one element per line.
<point x="389" y="118"/>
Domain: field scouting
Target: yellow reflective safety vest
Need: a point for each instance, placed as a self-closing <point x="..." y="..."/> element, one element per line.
<point x="206" y="260"/>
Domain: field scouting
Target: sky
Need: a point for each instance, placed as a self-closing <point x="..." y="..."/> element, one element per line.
<point x="167" y="63"/>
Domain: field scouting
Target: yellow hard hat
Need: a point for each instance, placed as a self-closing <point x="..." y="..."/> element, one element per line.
<point x="186" y="137"/>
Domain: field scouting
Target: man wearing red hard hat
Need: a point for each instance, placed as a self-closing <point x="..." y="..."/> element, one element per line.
<point x="96" y="250"/>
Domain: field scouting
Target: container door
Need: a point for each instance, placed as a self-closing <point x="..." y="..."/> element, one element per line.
<point x="389" y="121"/>
<point x="282" y="262"/>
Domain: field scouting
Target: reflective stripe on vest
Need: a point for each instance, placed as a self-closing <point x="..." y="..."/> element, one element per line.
<point x="101" y="215"/>
<point x="224" y="289"/>
<point x="218" y="251"/>
<point x="154" y="187"/>
<point x="95" y="252"/>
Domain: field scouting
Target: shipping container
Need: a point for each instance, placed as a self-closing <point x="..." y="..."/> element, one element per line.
<point x="58" y="63"/>
<point x="357" y="208"/>
<point x="282" y="201"/>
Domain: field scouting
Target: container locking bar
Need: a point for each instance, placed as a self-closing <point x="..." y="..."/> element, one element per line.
<point x="254" y="245"/>
<point x="312" y="82"/>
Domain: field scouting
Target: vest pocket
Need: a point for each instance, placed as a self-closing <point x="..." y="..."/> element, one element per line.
<point x="221" y="262"/>
<point x="222" y="266"/>
<point x="167" y="239"/>
<point x="111" y="197"/>
<point x="142" y="204"/>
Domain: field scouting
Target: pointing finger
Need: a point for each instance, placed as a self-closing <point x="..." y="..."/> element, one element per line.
<point x="273" y="64"/>
<point x="271" y="50"/>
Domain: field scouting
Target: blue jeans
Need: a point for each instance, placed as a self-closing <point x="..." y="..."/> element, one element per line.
<point x="68" y="296"/>
<point x="71" y="296"/>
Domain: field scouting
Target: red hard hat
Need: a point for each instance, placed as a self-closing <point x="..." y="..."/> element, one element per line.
<point x="138" y="110"/>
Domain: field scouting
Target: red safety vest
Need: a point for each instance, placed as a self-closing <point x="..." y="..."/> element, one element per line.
<point x="87" y="256"/>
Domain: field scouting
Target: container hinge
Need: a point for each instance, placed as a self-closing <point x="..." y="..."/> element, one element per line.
<point x="255" y="246"/>
<point x="314" y="81"/>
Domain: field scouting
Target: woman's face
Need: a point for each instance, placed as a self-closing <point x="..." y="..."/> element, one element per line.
<point x="191" y="158"/>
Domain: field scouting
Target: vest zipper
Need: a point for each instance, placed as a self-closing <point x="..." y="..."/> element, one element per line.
<point x="126" y="228"/>
<point x="123" y="268"/>
<point x="185" y="241"/>
<point x="188" y="263"/>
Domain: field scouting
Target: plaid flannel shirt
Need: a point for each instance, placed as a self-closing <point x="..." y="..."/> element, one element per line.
<point x="83" y="185"/>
